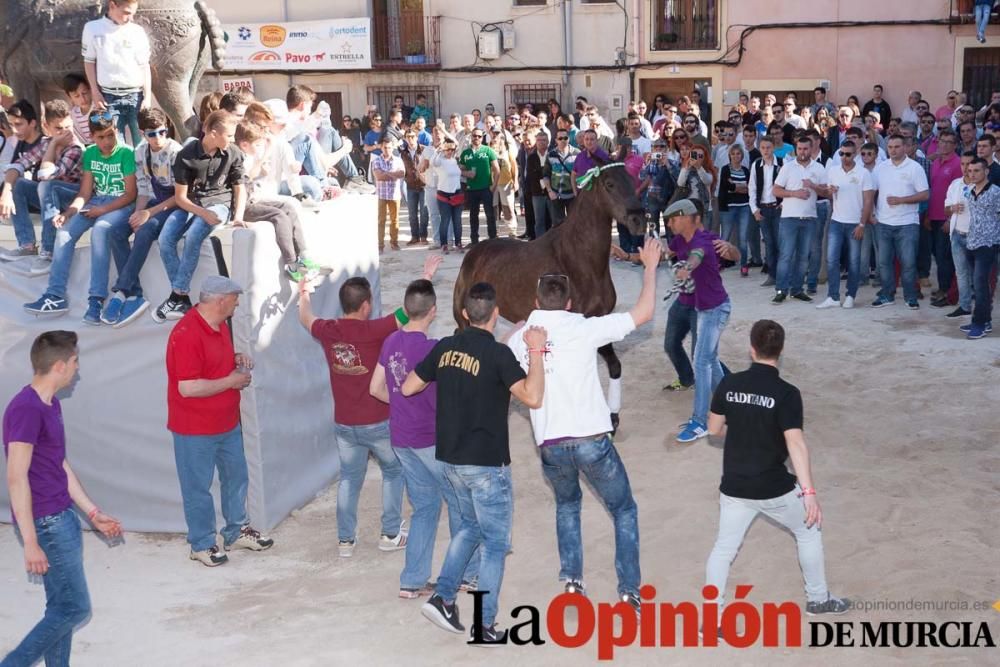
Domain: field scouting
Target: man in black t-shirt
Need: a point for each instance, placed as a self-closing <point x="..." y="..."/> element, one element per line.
<point x="761" y="417"/>
<point x="475" y="378"/>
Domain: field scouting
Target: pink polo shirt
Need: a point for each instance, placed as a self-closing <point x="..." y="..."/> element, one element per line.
<point x="943" y="172"/>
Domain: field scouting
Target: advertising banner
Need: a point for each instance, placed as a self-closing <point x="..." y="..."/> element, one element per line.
<point x="324" y="45"/>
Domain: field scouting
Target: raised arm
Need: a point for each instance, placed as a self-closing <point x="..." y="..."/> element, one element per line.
<point x="644" y="308"/>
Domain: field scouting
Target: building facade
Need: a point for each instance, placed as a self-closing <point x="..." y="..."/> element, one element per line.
<point x="465" y="55"/>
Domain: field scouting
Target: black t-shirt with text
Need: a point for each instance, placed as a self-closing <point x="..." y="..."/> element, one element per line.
<point x="759" y="407"/>
<point x="474" y="374"/>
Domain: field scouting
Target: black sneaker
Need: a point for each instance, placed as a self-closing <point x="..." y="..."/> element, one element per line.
<point x="831" y="605"/>
<point x="633" y="601"/>
<point x="575" y="586"/>
<point x="491" y="637"/>
<point x="779" y="298"/>
<point x="443" y="615"/>
<point x="170" y="309"/>
<point x="958" y="312"/>
<point x="802" y="296"/>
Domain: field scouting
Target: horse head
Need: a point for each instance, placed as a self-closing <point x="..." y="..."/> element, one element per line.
<point x="611" y="190"/>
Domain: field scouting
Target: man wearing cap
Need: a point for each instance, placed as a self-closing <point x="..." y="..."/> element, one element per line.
<point x="710" y="300"/>
<point x="204" y="379"/>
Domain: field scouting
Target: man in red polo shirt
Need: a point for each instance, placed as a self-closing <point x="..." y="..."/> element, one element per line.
<point x="204" y="379"/>
<point x="352" y="345"/>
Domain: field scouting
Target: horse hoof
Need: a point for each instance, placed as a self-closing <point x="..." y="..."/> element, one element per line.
<point x="614" y="423"/>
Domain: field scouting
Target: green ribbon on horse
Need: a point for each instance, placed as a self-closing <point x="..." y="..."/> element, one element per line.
<point x="585" y="180"/>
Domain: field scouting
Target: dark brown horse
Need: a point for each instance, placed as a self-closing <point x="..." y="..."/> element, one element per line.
<point x="580" y="248"/>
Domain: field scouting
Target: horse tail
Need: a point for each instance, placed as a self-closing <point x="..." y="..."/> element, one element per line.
<point x="458" y="297"/>
<point x="213" y="29"/>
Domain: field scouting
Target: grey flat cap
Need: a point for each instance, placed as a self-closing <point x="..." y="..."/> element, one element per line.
<point x="220" y="285"/>
<point x="680" y="207"/>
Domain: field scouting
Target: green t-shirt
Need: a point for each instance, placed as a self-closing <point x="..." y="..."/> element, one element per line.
<point x="109" y="172"/>
<point x="480" y="159"/>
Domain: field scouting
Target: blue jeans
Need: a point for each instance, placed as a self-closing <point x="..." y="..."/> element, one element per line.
<point x="486" y="503"/>
<point x="540" y="207"/>
<point x="49" y="197"/>
<point x="707" y="369"/>
<point x="100" y="244"/>
<point x="476" y="198"/>
<point x="451" y="216"/>
<point x="898" y="242"/>
<point x="67" y="601"/>
<point x="769" y="233"/>
<point x="127" y="107"/>
<point x="181" y="267"/>
<point x="681" y="320"/>
<point x="983" y="261"/>
<point x="354" y="443"/>
<point x="311" y="187"/>
<point x="982" y="19"/>
<point x="869" y="252"/>
<point x="559" y="208"/>
<point x="418" y="213"/>
<point x="599" y="462"/>
<point x="963" y="270"/>
<point x="25" y="195"/>
<point x="330" y="141"/>
<point x="737" y="218"/>
<point x="794" y="240"/>
<point x="308" y="152"/>
<point x="839" y="235"/>
<point x="433" y="211"/>
<point x="128" y="275"/>
<point x="816" y="244"/>
<point x="197" y="457"/>
<point x="426" y="486"/>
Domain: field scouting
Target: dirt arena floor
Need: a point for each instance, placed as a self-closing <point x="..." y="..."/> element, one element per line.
<point x="904" y="434"/>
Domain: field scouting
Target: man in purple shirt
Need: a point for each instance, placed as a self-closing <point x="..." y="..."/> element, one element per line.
<point x="412" y="433"/>
<point x="946" y="167"/>
<point x="712" y="303"/>
<point x="591" y="156"/>
<point x="43" y="489"/>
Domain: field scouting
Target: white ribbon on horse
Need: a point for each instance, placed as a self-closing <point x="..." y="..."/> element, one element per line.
<point x="585" y="180"/>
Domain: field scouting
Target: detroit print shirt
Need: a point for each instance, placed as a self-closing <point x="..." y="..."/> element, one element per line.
<point x="109" y="171"/>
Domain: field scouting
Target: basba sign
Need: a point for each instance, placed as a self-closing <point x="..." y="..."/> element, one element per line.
<point x="327" y="45"/>
<point x="740" y="624"/>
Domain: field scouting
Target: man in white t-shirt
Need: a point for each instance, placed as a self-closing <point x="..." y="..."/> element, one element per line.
<point x="902" y="185"/>
<point x="853" y="193"/>
<point x="573" y="424"/>
<point x="798" y="183"/>
<point x="116" y="61"/>
<point x="958" y="227"/>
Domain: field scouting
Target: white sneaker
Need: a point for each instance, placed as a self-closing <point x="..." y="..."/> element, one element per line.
<point x="40" y="265"/>
<point x="346" y="548"/>
<point x="385" y="543"/>
<point x="828" y="303"/>
<point x="848" y="302"/>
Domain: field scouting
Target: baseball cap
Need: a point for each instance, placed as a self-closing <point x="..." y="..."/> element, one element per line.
<point x="278" y="109"/>
<point x="681" y="207"/>
<point x="220" y="285"/>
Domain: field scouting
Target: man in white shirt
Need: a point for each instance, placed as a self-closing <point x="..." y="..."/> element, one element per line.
<point x="958" y="227"/>
<point x="798" y="183"/>
<point x="116" y="61"/>
<point x="573" y="424"/>
<point x="797" y="121"/>
<point x="764" y="206"/>
<point x="853" y="193"/>
<point x="902" y="185"/>
<point x="910" y="113"/>
<point x="640" y="144"/>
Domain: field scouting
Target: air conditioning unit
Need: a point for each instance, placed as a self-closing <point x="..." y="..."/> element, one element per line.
<point x="507" y="36"/>
<point x="489" y="45"/>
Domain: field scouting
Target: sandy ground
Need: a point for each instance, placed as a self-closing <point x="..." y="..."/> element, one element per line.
<point x="901" y="422"/>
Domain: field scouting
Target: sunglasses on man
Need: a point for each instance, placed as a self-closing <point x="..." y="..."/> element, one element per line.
<point x="105" y="115"/>
<point x="846" y="154"/>
<point x="152" y="134"/>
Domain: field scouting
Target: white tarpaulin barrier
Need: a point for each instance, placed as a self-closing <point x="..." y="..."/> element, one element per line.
<point x="116" y="413"/>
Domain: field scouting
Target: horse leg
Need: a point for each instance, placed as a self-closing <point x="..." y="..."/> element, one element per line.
<point x="607" y="353"/>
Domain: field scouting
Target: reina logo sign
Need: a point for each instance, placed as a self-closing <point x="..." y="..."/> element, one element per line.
<point x="272" y="36"/>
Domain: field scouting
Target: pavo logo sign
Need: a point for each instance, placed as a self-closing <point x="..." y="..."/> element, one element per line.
<point x="272" y="36"/>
